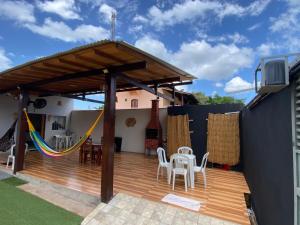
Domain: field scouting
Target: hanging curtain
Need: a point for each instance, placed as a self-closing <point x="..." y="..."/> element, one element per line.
<point x="178" y="133"/>
<point x="223" y="138"/>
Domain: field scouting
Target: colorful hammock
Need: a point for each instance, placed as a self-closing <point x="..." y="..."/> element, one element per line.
<point x="46" y="150"/>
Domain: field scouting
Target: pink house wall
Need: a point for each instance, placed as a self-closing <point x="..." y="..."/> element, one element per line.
<point x="144" y="99"/>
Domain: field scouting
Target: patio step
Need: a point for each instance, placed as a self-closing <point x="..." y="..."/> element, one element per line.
<point x="53" y="196"/>
<point x="83" y="198"/>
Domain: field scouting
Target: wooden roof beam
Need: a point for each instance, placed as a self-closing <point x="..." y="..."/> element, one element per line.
<point x="120" y="88"/>
<point x="51" y="93"/>
<point x="138" y="84"/>
<point x="73" y="76"/>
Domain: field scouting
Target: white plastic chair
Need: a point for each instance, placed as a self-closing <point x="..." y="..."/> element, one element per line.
<point x="11" y="156"/>
<point x="202" y="167"/>
<point x="185" y="150"/>
<point x="179" y="162"/>
<point x="162" y="161"/>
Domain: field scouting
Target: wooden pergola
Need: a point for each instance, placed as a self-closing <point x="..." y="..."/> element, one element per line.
<point x="101" y="67"/>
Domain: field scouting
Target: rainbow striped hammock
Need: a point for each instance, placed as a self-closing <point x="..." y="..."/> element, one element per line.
<point x="46" y="150"/>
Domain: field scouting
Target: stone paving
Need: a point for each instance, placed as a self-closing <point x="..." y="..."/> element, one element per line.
<point x="128" y="210"/>
<point x="4" y="175"/>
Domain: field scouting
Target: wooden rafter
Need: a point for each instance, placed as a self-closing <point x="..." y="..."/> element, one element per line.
<point x="45" y="70"/>
<point x="75" y="64"/>
<point x="73" y="76"/>
<point x="90" y="60"/>
<point x="61" y="67"/>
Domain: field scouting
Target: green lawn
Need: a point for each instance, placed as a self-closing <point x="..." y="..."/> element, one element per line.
<point x="21" y="208"/>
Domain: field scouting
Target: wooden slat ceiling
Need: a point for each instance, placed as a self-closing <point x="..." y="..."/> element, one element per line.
<point x="99" y="55"/>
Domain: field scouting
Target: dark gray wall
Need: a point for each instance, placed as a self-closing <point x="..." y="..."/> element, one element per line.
<point x="266" y="142"/>
<point x="199" y="114"/>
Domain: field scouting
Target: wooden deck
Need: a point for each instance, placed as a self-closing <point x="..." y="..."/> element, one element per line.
<point x="135" y="174"/>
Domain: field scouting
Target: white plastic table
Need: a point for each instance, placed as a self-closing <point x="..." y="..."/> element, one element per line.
<point x="191" y="162"/>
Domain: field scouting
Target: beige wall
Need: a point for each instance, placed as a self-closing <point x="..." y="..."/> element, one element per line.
<point x="144" y="99"/>
<point x="133" y="137"/>
<point x="9" y="112"/>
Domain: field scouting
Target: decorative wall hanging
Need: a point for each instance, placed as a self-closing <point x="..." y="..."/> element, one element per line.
<point x="130" y="122"/>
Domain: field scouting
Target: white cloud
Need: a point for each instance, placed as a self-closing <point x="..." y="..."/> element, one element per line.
<point x="19" y="11"/>
<point x="106" y="11"/>
<point x="61" y="31"/>
<point x="214" y="93"/>
<point x="200" y="9"/>
<point x="289" y="20"/>
<point x="154" y="47"/>
<point x="206" y="61"/>
<point x="237" y="38"/>
<point x="5" y="62"/>
<point x="139" y="18"/>
<point x="135" y="29"/>
<point x="188" y="10"/>
<point x="287" y="26"/>
<point x="237" y="84"/>
<point x="254" y="27"/>
<point x="254" y="9"/>
<point x="266" y="49"/>
<point x="219" y="84"/>
<point x="64" y="8"/>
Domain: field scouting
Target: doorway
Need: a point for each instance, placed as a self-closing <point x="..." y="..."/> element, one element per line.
<point x="39" y="122"/>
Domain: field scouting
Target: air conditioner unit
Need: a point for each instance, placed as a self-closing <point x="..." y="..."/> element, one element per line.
<point x="274" y="74"/>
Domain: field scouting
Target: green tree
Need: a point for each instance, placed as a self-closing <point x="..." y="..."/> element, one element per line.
<point x="201" y="97"/>
<point x="216" y="99"/>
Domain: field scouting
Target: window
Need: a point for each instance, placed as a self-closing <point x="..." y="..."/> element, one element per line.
<point x="134" y="103"/>
<point x="58" y="122"/>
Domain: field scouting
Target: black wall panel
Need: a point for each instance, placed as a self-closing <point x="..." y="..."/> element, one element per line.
<point x="199" y="114"/>
<point x="266" y="141"/>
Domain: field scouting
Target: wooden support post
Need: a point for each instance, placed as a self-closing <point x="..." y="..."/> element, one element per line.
<point x="21" y="130"/>
<point x="173" y="96"/>
<point x="108" y="138"/>
<point x="156" y="90"/>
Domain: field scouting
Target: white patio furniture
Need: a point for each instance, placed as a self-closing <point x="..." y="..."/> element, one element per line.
<point x="190" y="167"/>
<point x="62" y="141"/>
<point x="178" y="162"/>
<point x="162" y="162"/>
<point x="11" y="156"/>
<point x="202" y="167"/>
<point x="185" y="150"/>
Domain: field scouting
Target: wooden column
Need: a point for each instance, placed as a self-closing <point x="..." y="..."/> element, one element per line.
<point x="109" y="139"/>
<point x="173" y="95"/>
<point x="21" y="130"/>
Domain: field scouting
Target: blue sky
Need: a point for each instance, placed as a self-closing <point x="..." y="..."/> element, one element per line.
<point x="220" y="42"/>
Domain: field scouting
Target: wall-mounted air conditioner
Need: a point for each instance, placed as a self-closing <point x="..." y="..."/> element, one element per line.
<point x="274" y="74"/>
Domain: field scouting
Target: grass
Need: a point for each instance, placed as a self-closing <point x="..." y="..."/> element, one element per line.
<point x="18" y="207"/>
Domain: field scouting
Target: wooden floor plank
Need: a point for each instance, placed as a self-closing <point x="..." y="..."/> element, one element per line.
<point x="135" y="174"/>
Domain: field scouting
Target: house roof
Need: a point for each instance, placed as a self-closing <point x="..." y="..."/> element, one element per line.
<point x="188" y="97"/>
<point x="83" y="69"/>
